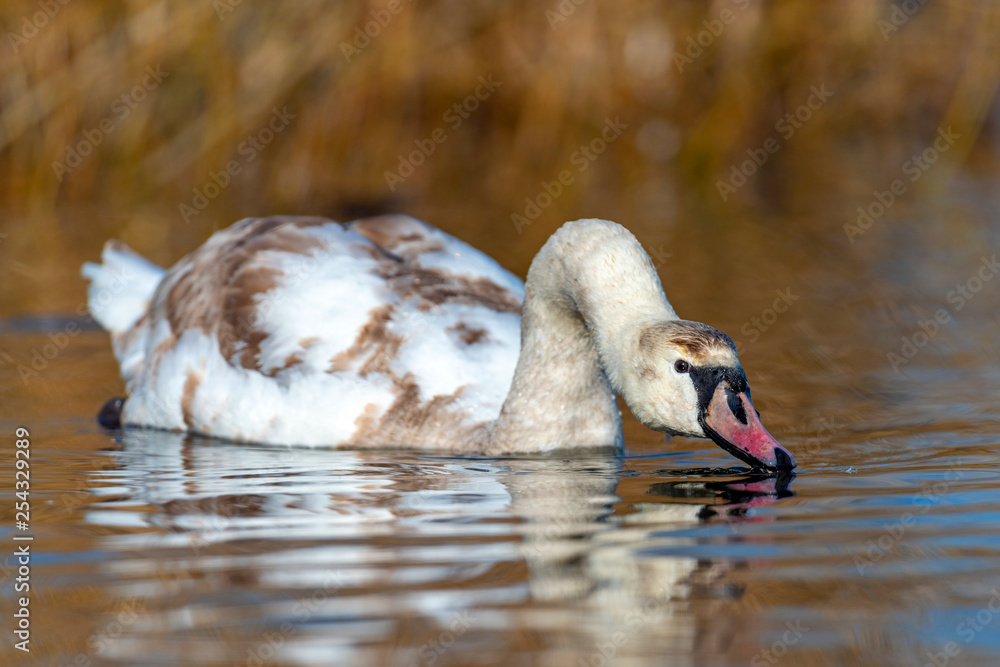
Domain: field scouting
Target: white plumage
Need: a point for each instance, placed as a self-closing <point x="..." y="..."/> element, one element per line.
<point x="306" y="331"/>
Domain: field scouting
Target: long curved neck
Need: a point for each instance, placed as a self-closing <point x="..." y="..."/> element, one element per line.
<point x="589" y="291"/>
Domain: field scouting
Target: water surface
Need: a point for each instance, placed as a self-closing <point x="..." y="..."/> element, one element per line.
<point x="158" y="548"/>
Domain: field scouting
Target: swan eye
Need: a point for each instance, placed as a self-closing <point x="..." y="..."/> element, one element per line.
<point x="682" y="366"/>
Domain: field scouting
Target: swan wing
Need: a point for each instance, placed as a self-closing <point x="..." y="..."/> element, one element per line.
<point x="384" y="331"/>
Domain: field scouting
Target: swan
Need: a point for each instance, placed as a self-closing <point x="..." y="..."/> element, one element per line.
<point x="387" y="332"/>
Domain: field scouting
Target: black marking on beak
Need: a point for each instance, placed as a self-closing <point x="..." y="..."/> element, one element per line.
<point x="736" y="405"/>
<point x="707" y="378"/>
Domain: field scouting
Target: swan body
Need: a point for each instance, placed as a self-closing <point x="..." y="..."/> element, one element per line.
<point x="388" y="332"/>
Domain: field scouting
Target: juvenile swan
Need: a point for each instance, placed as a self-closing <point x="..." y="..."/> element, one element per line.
<point x="388" y="332"/>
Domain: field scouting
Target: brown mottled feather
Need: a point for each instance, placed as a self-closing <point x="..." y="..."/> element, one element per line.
<point x="400" y="235"/>
<point x="697" y="339"/>
<point x="469" y="335"/>
<point x="408" y="415"/>
<point x="218" y="289"/>
<point x="435" y="287"/>
<point x="187" y="399"/>
<point x="374" y="342"/>
<point x="215" y="287"/>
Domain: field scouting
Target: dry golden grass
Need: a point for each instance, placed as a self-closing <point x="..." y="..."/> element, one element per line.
<point x="230" y="66"/>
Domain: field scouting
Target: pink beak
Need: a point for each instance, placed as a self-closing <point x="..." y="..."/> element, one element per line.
<point x="731" y="421"/>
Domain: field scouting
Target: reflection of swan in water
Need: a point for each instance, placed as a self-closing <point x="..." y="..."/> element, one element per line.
<point x="567" y="513"/>
<point x="356" y="549"/>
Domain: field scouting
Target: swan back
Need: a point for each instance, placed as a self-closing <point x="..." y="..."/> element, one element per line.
<point x="294" y="330"/>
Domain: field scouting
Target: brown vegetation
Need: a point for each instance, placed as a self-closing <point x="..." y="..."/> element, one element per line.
<point x="217" y="79"/>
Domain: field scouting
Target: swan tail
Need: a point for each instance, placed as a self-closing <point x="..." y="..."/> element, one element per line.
<point x="121" y="287"/>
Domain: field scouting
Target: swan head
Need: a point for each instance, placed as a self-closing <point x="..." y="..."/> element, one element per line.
<point x="687" y="380"/>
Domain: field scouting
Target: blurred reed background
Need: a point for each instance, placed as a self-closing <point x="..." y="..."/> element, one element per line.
<point x="167" y="94"/>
